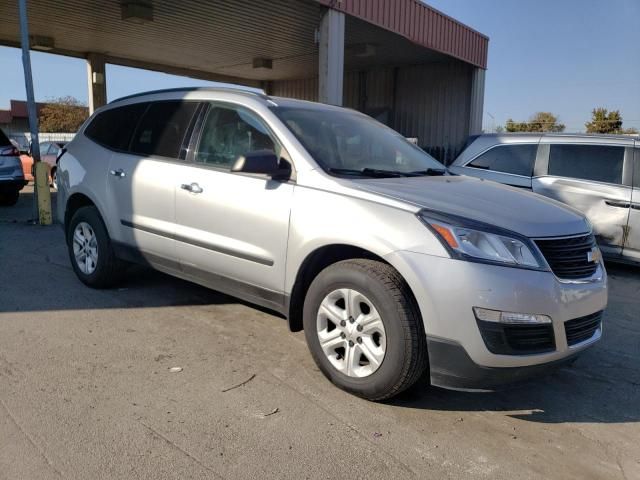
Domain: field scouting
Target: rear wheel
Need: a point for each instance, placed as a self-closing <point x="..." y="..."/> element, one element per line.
<point x="90" y="249"/>
<point x="364" y="329"/>
<point x="8" y="198"/>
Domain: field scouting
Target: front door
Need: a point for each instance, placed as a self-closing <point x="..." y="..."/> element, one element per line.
<point x="591" y="178"/>
<point x="232" y="228"/>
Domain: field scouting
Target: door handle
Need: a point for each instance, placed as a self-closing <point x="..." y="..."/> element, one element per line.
<point x="617" y="203"/>
<point x="192" y="187"/>
<point x="118" y="173"/>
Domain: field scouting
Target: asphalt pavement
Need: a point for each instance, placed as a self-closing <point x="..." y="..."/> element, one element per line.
<point x="160" y="378"/>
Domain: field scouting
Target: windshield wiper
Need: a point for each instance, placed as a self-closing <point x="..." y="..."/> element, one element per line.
<point x="431" y="172"/>
<point x="380" y="173"/>
<point x="366" y="172"/>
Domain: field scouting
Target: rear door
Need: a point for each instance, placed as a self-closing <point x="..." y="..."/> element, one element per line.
<point x="142" y="180"/>
<point x="511" y="164"/>
<point x="632" y="245"/>
<point x="595" y="179"/>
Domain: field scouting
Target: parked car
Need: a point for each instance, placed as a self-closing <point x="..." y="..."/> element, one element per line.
<point x="11" y="177"/>
<point x="49" y="152"/>
<point x="390" y="266"/>
<point x="592" y="173"/>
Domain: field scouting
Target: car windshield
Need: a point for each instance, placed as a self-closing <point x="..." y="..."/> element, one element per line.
<point x="350" y="143"/>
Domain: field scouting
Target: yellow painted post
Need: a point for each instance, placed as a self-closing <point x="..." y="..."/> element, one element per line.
<point x="43" y="193"/>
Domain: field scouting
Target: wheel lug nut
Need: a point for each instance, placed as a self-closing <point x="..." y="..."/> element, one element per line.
<point x="342" y="335"/>
<point x="359" y="339"/>
<point x="351" y="320"/>
<point x="343" y="323"/>
<point x="351" y="343"/>
<point x="359" y="328"/>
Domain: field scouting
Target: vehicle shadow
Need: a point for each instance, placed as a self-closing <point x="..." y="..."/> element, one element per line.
<point x="36" y="273"/>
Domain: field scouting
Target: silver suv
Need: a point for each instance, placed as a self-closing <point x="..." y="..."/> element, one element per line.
<point x="11" y="174"/>
<point x="593" y="173"/>
<point x="392" y="267"/>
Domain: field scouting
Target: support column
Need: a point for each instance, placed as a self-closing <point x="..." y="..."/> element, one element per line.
<point x="331" y="62"/>
<point x="96" y="81"/>
<point x="477" y="101"/>
<point x="42" y="195"/>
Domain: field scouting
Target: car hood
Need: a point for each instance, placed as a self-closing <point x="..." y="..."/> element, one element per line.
<point x="499" y="205"/>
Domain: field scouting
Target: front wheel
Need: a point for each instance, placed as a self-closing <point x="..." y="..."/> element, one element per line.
<point x="364" y="330"/>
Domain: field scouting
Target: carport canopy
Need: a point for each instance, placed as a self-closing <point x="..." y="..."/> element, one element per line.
<point x="247" y="43"/>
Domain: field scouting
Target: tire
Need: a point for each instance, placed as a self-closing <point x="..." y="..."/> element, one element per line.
<point x="104" y="271"/>
<point x="54" y="178"/>
<point x="380" y="288"/>
<point x="9" y="198"/>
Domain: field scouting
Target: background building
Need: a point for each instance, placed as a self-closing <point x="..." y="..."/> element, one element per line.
<point x="401" y="61"/>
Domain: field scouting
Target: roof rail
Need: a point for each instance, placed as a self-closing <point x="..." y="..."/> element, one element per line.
<point x="240" y="90"/>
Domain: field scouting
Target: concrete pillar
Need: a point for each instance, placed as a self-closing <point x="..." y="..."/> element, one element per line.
<point x="331" y="62"/>
<point x="477" y="101"/>
<point x="96" y="81"/>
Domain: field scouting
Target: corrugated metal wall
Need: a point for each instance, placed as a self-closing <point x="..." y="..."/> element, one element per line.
<point x="431" y="102"/>
<point x="421" y="24"/>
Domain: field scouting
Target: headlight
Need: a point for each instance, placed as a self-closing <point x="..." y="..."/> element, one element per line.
<point x="470" y="240"/>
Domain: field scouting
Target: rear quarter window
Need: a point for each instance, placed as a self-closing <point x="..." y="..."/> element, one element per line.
<point x="513" y="159"/>
<point x="114" y="128"/>
<point x="600" y="163"/>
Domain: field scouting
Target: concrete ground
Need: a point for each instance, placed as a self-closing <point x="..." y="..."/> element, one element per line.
<point x="86" y="390"/>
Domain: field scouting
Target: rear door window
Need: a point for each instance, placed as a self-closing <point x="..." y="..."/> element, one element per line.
<point x="513" y="159"/>
<point x="163" y="128"/>
<point x="600" y="163"/>
<point x="113" y="128"/>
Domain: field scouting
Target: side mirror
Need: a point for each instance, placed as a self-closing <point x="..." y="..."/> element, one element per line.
<point x="264" y="162"/>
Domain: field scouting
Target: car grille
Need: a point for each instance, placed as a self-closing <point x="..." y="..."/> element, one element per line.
<point x="583" y="328"/>
<point x="511" y="339"/>
<point x="569" y="257"/>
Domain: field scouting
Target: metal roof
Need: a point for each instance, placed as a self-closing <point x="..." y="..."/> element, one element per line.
<point x="218" y="40"/>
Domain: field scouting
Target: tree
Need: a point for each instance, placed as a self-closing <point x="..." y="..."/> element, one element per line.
<point x="605" y="121"/>
<point x="64" y="114"/>
<point x="540" y="122"/>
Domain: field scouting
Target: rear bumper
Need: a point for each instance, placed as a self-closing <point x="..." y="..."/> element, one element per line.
<point x="12" y="183"/>
<point x="451" y="367"/>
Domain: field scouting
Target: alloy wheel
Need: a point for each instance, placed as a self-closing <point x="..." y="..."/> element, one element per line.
<point x="85" y="248"/>
<point x="351" y="333"/>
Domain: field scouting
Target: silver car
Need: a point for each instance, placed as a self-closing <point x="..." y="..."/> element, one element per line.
<point x="593" y="173"/>
<point x="11" y="175"/>
<point x="393" y="268"/>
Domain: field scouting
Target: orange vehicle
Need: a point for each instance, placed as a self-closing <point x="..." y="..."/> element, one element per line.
<point x="48" y="153"/>
<point x="27" y="166"/>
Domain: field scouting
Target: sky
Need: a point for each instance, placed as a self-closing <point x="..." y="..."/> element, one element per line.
<point x="562" y="56"/>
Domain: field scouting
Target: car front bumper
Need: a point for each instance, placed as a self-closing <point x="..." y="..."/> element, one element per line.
<point x="447" y="290"/>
